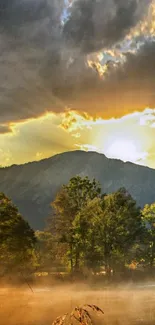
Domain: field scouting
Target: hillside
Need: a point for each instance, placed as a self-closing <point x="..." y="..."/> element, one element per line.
<point x="33" y="186"/>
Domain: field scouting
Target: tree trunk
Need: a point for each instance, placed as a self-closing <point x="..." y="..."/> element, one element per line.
<point x="71" y="257"/>
<point x="107" y="263"/>
<point x="77" y="264"/>
<point x="152" y="259"/>
<point x="108" y="271"/>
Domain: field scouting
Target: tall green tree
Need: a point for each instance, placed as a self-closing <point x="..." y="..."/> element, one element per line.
<point x="17" y="239"/>
<point x="70" y="200"/>
<point x="87" y="235"/>
<point x="96" y="229"/>
<point x="148" y="217"/>
<point x="106" y="230"/>
<point x="121" y="228"/>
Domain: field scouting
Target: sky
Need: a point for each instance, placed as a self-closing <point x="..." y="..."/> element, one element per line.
<point x="77" y="75"/>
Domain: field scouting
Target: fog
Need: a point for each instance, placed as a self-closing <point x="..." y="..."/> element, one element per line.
<point x="121" y="306"/>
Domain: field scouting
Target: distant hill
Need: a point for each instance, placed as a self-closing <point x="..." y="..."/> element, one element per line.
<point x="33" y="186"/>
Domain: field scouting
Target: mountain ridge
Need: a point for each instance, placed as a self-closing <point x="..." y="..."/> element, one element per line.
<point x="32" y="186"/>
<point x="71" y="151"/>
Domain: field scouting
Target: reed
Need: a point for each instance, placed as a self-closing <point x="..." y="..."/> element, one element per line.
<point x="80" y="315"/>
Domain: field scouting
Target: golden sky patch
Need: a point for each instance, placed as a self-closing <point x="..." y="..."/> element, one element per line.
<point x="129" y="138"/>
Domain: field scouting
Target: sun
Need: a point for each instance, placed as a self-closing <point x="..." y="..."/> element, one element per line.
<point x="123" y="149"/>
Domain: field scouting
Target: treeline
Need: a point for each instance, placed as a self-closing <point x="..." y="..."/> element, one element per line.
<point x="87" y="232"/>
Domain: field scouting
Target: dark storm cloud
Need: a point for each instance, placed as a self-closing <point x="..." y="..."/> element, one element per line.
<point x="94" y="24"/>
<point x="15" y="13"/>
<point x="128" y="86"/>
<point x="133" y="84"/>
<point x="43" y="65"/>
<point x="30" y="37"/>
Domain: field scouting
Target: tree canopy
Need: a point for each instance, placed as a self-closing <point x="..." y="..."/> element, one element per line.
<point x="96" y="229"/>
<point x="70" y="200"/>
<point x="148" y="217"/>
<point x="17" y="239"/>
<point x="87" y="230"/>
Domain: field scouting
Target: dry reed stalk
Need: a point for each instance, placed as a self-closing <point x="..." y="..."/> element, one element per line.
<point x="79" y="315"/>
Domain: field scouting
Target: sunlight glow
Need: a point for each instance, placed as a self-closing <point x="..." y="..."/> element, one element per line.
<point x="125" y="150"/>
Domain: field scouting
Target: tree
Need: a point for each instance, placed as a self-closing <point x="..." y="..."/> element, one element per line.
<point x="17" y="239"/>
<point x="106" y="230"/>
<point x="96" y="229"/>
<point x="71" y="199"/>
<point x="148" y="217"/>
<point x="50" y="253"/>
<point x="87" y="234"/>
<point x="121" y="227"/>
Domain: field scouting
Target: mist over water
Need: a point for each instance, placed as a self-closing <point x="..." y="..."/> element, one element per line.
<point x="122" y="305"/>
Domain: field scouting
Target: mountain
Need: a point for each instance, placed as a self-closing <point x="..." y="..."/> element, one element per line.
<point x="33" y="186"/>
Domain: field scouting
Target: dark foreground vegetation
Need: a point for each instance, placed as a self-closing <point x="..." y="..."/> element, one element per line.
<point x="89" y="236"/>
